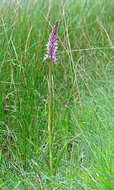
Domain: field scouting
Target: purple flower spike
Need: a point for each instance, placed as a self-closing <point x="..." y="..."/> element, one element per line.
<point x="52" y="45"/>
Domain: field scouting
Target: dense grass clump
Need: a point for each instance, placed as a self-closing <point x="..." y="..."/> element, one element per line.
<point x="82" y="88"/>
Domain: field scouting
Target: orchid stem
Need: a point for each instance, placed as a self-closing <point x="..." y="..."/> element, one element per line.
<point x="49" y="119"/>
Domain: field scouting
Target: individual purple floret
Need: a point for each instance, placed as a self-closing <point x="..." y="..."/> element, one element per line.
<point x="52" y="45"/>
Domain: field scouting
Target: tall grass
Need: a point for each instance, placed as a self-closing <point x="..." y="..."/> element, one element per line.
<point x="82" y="91"/>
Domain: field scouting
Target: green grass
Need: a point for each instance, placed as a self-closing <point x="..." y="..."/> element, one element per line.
<point x="83" y="95"/>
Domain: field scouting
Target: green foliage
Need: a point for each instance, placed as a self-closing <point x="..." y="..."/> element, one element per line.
<point x="83" y="95"/>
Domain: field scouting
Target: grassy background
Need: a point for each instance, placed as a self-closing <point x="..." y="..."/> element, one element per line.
<point x="83" y="95"/>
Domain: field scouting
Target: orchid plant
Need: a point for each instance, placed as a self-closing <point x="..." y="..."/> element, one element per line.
<point x="51" y="49"/>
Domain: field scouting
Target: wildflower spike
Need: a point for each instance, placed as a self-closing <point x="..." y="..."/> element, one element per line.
<point x="52" y="45"/>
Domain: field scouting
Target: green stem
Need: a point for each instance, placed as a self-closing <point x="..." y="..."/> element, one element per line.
<point x="49" y="119"/>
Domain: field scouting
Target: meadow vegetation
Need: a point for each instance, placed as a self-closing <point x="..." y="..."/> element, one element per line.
<point x="82" y="88"/>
